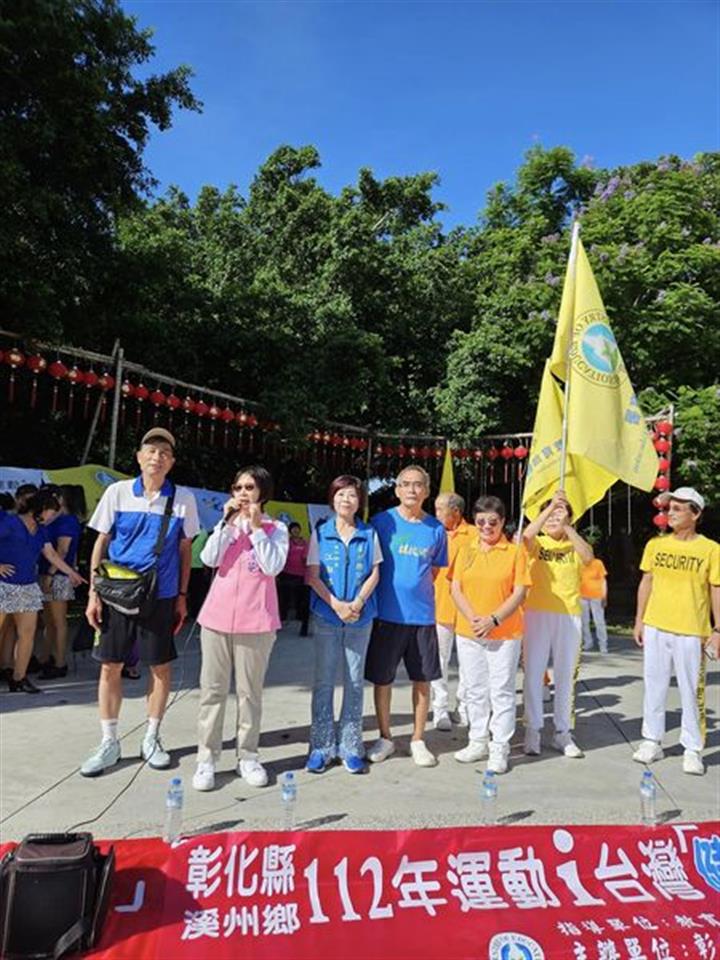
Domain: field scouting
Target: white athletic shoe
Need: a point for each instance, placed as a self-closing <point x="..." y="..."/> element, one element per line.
<point x="692" y="763"/>
<point x="204" y="776"/>
<point x="648" y="752"/>
<point x="474" y="751"/>
<point x="567" y="746"/>
<point x="532" y="746"/>
<point x="101" y="759"/>
<point x="421" y="755"/>
<point x="153" y="751"/>
<point x="441" y="720"/>
<point x="380" y="750"/>
<point x="499" y="756"/>
<point x="252" y="771"/>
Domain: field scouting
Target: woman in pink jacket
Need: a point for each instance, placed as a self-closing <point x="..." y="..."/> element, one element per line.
<point x="239" y="621"/>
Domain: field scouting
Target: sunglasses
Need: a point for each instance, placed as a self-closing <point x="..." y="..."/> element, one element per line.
<point x="487" y="523"/>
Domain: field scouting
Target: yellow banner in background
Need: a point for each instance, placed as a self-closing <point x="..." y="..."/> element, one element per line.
<point x="93" y="478"/>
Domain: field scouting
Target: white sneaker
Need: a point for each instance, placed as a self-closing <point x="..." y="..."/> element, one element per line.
<point x="152" y="750"/>
<point x="532" y="747"/>
<point x="421" y="755"/>
<point x="105" y="756"/>
<point x="567" y="746"/>
<point x="380" y="750"/>
<point x="499" y="755"/>
<point x="252" y="771"/>
<point x="648" y="752"/>
<point x="692" y="763"/>
<point x="204" y="776"/>
<point x="547" y="693"/>
<point x="441" y="720"/>
<point x="474" y="751"/>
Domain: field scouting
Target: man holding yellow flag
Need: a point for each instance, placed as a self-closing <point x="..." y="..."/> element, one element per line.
<point x="589" y="432"/>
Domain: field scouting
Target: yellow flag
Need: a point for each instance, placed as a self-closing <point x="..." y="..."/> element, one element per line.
<point x="447" y="480"/>
<point x="607" y="438"/>
<point x="585" y="482"/>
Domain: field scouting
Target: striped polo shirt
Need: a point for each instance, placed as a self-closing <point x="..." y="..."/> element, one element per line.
<point x="133" y="521"/>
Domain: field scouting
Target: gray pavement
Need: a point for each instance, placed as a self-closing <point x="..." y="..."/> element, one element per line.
<point x="43" y="739"/>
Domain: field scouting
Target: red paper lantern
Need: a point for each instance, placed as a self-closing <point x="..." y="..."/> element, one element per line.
<point x="659" y="503"/>
<point x="214" y="412"/>
<point x="425" y="452"/>
<point x="227" y="415"/>
<point x="90" y="379"/>
<point x="507" y="452"/>
<point x="57" y="370"/>
<point x="663" y="464"/>
<point x="402" y="451"/>
<point x="378" y="449"/>
<point x="362" y="444"/>
<point x="158" y="398"/>
<point x="662" y="483"/>
<point x="14" y="358"/>
<point x="664" y="426"/>
<point x="493" y="453"/>
<point x="252" y="421"/>
<point x="172" y="401"/>
<point x="75" y="376"/>
<point x="127" y="389"/>
<point x="520" y="452"/>
<point x="188" y="405"/>
<point x="662" y="445"/>
<point x="106" y="382"/>
<point x="241" y="418"/>
<point x="141" y="393"/>
<point x="413" y="452"/>
<point x="661" y="520"/>
<point x="201" y="409"/>
<point x="477" y="455"/>
<point x="36" y="363"/>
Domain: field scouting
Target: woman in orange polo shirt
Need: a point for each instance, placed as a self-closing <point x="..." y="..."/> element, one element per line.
<point x="489" y="582"/>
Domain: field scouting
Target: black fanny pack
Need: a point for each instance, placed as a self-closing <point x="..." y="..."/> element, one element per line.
<point x="127" y="590"/>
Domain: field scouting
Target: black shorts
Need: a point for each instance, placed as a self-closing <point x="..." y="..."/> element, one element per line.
<point x="154" y="635"/>
<point x="390" y="643"/>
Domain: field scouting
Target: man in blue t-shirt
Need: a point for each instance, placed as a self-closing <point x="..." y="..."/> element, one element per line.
<point x="413" y="545"/>
<point x="128" y="519"/>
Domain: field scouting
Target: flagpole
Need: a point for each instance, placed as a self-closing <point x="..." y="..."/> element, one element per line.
<point x="566" y="399"/>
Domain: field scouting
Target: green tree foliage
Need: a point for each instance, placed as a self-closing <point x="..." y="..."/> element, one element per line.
<point x="73" y="124"/>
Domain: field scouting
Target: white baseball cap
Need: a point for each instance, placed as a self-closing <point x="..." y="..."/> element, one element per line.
<point x="687" y="495"/>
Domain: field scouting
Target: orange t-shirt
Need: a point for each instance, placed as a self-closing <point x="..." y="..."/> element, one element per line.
<point x="445" y="610"/>
<point x="592" y="580"/>
<point x="487" y="578"/>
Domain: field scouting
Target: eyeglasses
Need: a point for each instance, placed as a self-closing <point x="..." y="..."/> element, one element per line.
<point x="243" y="486"/>
<point x="414" y="484"/>
<point x="480" y="522"/>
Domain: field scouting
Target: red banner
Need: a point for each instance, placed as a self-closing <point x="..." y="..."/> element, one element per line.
<point x="501" y="893"/>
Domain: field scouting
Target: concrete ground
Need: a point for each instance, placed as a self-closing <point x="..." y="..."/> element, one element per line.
<point x="43" y="739"/>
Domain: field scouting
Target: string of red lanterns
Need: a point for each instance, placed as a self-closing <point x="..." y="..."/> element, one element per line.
<point x="662" y="441"/>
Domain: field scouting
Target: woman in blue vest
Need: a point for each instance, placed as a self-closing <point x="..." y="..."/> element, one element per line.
<point x="343" y="572"/>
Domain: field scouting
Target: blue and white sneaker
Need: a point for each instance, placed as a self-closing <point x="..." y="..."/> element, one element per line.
<point x="104" y="757"/>
<point x="354" y="764"/>
<point x="153" y="752"/>
<point x="315" y="762"/>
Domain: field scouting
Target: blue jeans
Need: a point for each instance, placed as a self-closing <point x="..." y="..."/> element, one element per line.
<point x="333" y="643"/>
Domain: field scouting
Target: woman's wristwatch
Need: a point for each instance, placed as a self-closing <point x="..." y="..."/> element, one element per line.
<point x="494" y="619"/>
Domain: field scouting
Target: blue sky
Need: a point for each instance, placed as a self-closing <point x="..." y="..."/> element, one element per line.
<point x="458" y="88"/>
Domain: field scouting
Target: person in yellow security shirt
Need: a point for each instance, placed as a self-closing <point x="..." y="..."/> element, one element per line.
<point x="449" y="509"/>
<point x="593" y="596"/>
<point x="679" y="586"/>
<point x="489" y="582"/>
<point x="552" y="622"/>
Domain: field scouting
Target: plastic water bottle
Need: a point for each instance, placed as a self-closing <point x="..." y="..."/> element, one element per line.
<point x="489" y="799"/>
<point x="173" y="810"/>
<point x="289" y="799"/>
<point x="648" y="799"/>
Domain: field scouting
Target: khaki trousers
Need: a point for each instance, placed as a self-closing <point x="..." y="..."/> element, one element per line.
<point x="249" y="654"/>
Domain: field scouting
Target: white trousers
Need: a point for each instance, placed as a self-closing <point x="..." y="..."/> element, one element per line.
<point x="559" y="634"/>
<point x="595" y="609"/>
<point x="662" y="650"/>
<point x="489" y="668"/>
<point x="440" y="695"/>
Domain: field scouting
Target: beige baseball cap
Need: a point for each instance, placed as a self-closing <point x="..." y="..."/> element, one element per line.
<point x="686" y="495"/>
<point x="158" y="433"/>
